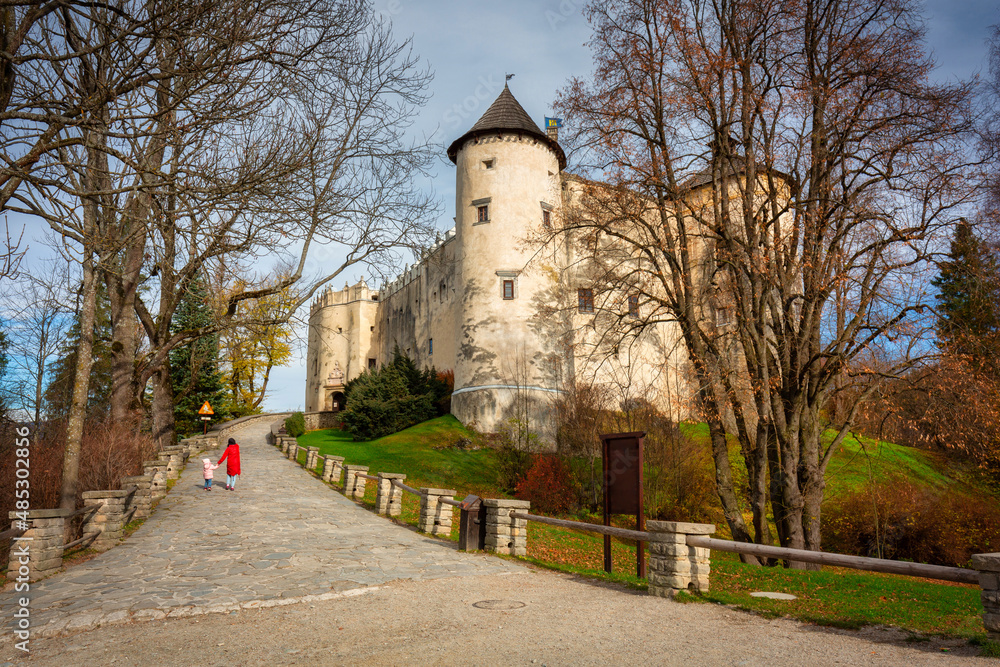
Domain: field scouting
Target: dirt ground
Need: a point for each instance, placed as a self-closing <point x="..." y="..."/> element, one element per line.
<point x="535" y="618"/>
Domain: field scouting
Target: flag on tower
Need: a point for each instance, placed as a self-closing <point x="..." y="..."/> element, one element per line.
<point x="553" y="122"/>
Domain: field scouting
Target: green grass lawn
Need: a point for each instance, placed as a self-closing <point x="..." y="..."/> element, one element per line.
<point x="834" y="596"/>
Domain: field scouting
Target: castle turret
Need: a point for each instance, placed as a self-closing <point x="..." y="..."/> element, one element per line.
<point x="507" y="191"/>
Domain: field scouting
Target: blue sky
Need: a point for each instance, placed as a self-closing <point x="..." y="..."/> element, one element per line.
<point x="471" y="45"/>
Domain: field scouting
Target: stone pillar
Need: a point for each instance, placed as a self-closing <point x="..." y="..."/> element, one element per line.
<point x="673" y="565"/>
<point x="293" y="451"/>
<point x="435" y="516"/>
<point x="174" y="459"/>
<point x="109" y="520"/>
<point x="312" y="455"/>
<point x="158" y="473"/>
<point x="389" y="498"/>
<point x="42" y="547"/>
<point x="143" y="499"/>
<point x="989" y="591"/>
<point x="333" y="467"/>
<point x="504" y="534"/>
<point x="283" y="442"/>
<point x="354" y="486"/>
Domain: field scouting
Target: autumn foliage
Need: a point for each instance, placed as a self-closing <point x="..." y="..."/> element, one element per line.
<point x="549" y="486"/>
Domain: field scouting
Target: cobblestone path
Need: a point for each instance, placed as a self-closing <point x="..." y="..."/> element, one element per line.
<point x="282" y="537"/>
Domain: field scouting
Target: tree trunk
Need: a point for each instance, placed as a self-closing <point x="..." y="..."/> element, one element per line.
<point x="163" y="408"/>
<point x="81" y="387"/>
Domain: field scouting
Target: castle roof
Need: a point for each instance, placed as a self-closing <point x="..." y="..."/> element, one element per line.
<point x="506" y="115"/>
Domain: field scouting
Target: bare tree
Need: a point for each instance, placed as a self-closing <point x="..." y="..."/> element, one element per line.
<point x="40" y="320"/>
<point x="218" y="133"/>
<point x="778" y="177"/>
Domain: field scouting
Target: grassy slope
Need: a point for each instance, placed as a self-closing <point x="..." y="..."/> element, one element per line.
<point x="843" y="598"/>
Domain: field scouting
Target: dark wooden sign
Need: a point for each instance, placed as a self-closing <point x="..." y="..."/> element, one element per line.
<point x="622" y="456"/>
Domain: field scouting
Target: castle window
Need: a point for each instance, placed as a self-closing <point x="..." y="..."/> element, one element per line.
<point x="482" y="210"/>
<point x="371" y="363"/>
<point x="372" y="328"/>
<point x="546" y="215"/>
<point x="430" y="346"/>
<point x="488" y="164"/>
<point x="508" y="290"/>
<point x="585" y="300"/>
<point x="633" y="306"/>
<point x="340" y="330"/>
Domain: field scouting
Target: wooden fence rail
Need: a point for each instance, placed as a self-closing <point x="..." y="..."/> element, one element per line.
<point x="940" y="572"/>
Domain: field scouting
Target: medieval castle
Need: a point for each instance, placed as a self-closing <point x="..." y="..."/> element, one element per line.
<point x="509" y="309"/>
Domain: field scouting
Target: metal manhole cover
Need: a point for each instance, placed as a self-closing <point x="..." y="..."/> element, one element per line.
<point x="501" y="605"/>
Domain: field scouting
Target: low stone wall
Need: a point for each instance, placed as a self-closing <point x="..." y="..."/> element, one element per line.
<point x="317" y="420"/>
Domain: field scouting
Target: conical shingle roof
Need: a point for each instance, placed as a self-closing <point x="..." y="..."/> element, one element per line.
<point x="506" y="115"/>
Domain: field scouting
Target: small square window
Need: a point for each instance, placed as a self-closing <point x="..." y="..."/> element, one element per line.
<point x="372" y="329"/>
<point x="488" y="164"/>
<point x="585" y="300"/>
<point x="483" y="213"/>
<point x="633" y="306"/>
<point x="508" y="290"/>
<point x="547" y="219"/>
<point x="371" y="363"/>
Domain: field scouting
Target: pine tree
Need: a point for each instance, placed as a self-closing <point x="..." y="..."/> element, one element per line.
<point x="969" y="300"/>
<point x="194" y="367"/>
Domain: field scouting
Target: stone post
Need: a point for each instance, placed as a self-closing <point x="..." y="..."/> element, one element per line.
<point x="108" y="521"/>
<point x="504" y="534"/>
<point x="989" y="591"/>
<point x="389" y="498"/>
<point x="354" y="486"/>
<point x="333" y="467"/>
<point x="143" y="499"/>
<point x="312" y="455"/>
<point x="293" y="451"/>
<point x="284" y="442"/>
<point x="39" y="553"/>
<point x="673" y="565"/>
<point x="435" y="516"/>
<point x="174" y="459"/>
<point x="158" y="472"/>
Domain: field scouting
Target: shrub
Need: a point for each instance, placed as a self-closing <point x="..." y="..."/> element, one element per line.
<point x="902" y="520"/>
<point x="548" y="484"/>
<point x="513" y="445"/>
<point x="380" y="404"/>
<point x="295" y="425"/>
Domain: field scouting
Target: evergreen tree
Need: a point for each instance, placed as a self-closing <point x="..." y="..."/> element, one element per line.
<point x="59" y="391"/>
<point x="969" y="300"/>
<point x="194" y="367"/>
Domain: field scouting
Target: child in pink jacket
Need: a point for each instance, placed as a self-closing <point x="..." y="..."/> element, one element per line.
<point x="209" y="467"/>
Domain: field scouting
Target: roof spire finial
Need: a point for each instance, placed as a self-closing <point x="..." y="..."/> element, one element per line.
<point x="507" y="77"/>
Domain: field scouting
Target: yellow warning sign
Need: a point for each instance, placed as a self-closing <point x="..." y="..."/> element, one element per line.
<point x="206" y="409"/>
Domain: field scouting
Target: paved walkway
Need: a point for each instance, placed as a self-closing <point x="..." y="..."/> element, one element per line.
<point x="282" y="537"/>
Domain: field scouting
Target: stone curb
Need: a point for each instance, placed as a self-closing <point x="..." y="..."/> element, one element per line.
<point x="90" y="620"/>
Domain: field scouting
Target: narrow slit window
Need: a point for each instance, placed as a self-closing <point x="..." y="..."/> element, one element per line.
<point x="430" y="346"/>
<point x="585" y="300"/>
<point x="633" y="306"/>
<point x="547" y="219"/>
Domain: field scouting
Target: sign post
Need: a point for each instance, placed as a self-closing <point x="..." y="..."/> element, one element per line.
<point x="622" y="458"/>
<point x="205" y="415"/>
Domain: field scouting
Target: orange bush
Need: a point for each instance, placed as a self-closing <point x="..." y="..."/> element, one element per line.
<point x="901" y="520"/>
<point x="548" y="484"/>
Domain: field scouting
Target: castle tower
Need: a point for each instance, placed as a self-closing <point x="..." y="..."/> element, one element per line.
<point x="508" y="356"/>
<point x="341" y="323"/>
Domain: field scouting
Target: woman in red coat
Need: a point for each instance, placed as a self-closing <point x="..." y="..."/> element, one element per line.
<point x="232" y="458"/>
